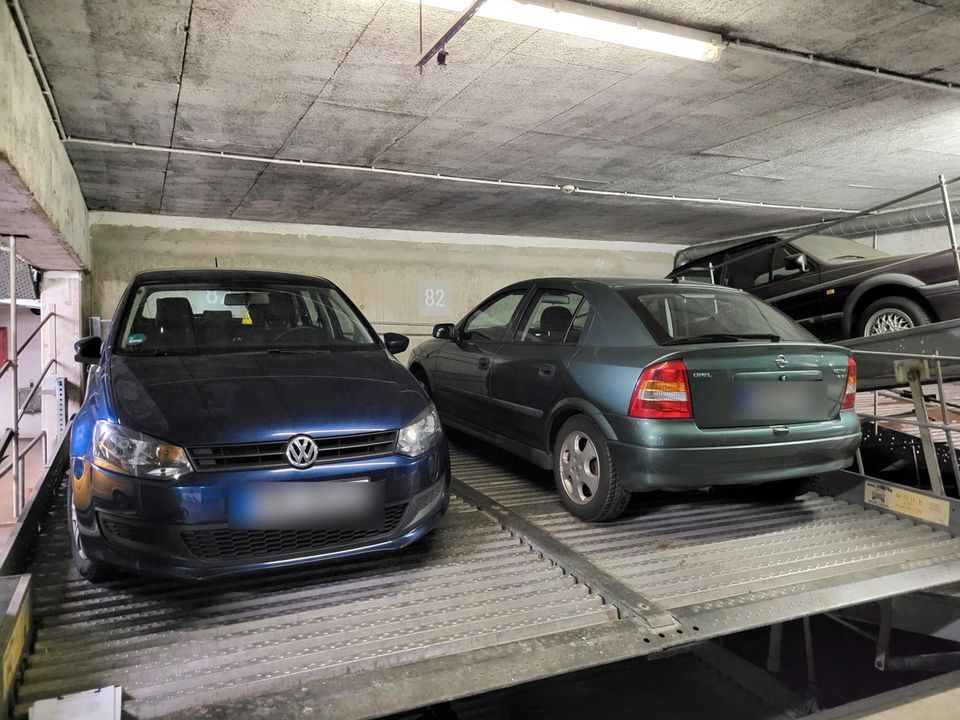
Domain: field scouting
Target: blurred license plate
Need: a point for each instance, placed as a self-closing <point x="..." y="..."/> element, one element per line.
<point x="776" y="401"/>
<point x="325" y="505"/>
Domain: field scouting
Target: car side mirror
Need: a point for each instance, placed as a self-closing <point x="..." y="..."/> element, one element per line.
<point x="796" y="262"/>
<point x="445" y="331"/>
<point x="395" y="342"/>
<point x="87" y="350"/>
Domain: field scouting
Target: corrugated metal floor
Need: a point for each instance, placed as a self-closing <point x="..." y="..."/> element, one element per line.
<point x="174" y="645"/>
<point x="475" y="591"/>
<point x="723" y="564"/>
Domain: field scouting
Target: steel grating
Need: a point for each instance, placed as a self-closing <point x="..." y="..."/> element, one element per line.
<point x="173" y="645"/>
<point x="720" y="565"/>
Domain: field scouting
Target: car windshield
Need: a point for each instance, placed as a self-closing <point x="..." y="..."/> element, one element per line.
<point x="687" y="315"/>
<point x="836" y="250"/>
<point x="212" y="318"/>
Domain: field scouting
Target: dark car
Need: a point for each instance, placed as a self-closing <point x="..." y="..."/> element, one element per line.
<point x="237" y="421"/>
<point x="835" y="287"/>
<point x="629" y="385"/>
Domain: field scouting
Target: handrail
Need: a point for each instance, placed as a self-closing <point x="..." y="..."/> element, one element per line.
<point x="35" y="388"/>
<point x="23" y="453"/>
<point x="7" y="364"/>
<point x="34" y="333"/>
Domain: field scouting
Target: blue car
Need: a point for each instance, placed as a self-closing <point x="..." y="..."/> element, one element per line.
<point x="236" y="421"/>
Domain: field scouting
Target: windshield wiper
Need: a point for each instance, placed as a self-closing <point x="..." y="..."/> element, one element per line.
<point x="849" y="257"/>
<point x="722" y="337"/>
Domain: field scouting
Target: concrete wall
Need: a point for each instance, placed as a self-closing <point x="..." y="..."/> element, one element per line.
<point x="30" y="145"/>
<point x="387" y="273"/>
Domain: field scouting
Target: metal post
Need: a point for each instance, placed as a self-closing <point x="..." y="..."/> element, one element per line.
<point x="15" y="401"/>
<point x="883" y="634"/>
<point x="811" y="664"/>
<point x="775" y="649"/>
<point x="953" y="233"/>
<point x="926" y="441"/>
<point x="951" y="448"/>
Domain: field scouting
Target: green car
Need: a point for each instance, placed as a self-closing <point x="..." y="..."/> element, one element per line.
<point x="623" y="386"/>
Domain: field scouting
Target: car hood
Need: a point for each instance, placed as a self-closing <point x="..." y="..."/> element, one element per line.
<point x="934" y="264"/>
<point x="256" y="397"/>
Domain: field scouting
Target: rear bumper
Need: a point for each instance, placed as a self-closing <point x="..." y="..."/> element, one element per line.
<point x="686" y="458"/>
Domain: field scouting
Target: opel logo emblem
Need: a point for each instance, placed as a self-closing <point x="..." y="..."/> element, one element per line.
<point x="302" y="451"/>
<point x="781" y="361"/>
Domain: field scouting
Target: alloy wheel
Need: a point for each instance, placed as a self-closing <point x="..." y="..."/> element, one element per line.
<point x="888" y="320"/>
<point x="579" y="467"/>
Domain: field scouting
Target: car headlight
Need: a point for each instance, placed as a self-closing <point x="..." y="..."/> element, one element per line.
<point x="130" y="452"/>
<point x="421" y="434"/>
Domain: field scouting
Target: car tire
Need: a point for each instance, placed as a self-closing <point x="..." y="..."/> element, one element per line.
<point x="93" y="571"/>
<point x="585" y="474"/>
<point x="783" y="490"/>
<point x="893" y="313"/>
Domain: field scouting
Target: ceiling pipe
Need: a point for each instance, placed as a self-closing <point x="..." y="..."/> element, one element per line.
<point x="915" y="217"/>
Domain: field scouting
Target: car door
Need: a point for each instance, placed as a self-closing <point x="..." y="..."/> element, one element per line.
<point x="761" y="269"/>
<point x="791" y="289"/>
<point x="531" y="368"/>
<point x="463" y="365"/>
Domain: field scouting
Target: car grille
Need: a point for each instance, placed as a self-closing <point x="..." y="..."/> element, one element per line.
<point x="270" y="455"/>
<point x="227" y="544"/>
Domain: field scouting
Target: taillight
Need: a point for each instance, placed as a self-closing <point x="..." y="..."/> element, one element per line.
<point x="662" y="393"/>
<point x="850" y="394"/>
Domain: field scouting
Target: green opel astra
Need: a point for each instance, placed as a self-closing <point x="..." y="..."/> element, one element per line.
<point x="625" y="385"/>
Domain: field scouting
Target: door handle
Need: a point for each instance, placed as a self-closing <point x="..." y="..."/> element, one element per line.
<point x="547" y="370"/>
<point x="483" y="363"/>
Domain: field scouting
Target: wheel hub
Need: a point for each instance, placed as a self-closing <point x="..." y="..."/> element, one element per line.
<point x="579" y="467"/>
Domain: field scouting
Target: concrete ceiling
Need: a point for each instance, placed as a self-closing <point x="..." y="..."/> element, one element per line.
<point x="334" y="81"/>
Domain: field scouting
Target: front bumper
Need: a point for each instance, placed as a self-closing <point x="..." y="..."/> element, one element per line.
<point x="741" y="457"/>
<point x="182" y="530"/>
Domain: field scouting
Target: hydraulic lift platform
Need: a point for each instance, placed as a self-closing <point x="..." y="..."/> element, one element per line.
<point x="509" y="589"/>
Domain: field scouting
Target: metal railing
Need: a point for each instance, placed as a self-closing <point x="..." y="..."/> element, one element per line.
<point x="12" y="365"/>
<point x="915" y="369"/>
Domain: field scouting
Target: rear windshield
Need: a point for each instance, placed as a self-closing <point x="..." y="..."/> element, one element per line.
<point x="674" y="316"/>
<point x="212" y="318"/>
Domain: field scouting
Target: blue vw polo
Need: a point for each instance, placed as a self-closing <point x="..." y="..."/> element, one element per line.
<point x="237" y="421"/>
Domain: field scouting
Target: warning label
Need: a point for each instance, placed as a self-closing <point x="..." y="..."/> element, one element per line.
<point x="907" y="502"/>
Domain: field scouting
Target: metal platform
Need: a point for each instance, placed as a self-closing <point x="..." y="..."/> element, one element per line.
<point x="509" y="589"/>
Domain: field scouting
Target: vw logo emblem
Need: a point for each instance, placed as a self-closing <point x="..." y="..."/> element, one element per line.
<point x="302" y="451"/>
<point x="781" y="361"/>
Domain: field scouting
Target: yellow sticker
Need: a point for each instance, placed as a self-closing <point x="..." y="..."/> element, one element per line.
<point x="14" y="649"/>
<point x="907" y="502"/>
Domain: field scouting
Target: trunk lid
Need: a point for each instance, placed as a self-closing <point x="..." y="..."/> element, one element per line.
<point x="755" y="384"/>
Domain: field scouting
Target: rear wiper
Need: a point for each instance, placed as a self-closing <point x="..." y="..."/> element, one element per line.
<point x="722" y="337"/>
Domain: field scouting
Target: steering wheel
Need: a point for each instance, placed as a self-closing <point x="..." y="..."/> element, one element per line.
<point x="300" y="329"/>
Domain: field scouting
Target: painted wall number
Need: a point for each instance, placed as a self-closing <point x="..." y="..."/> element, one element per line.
<point x="435" y="298"/>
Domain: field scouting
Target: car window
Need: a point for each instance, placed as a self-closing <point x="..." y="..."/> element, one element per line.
<point x="551" y="317"/>
<point x="748" y="267"/>
<point x="214" y="318"/>
<point x="579" y="322"/>
<point x="673" y="314"/>
<point x="492" y="320"/>
<point x="780" y="270"/>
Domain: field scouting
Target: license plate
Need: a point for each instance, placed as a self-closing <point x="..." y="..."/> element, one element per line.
<point x="326" y="505"/>
<point x="776" y="401"/>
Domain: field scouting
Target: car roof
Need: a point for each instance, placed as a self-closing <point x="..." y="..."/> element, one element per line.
<point x="617" y="282"/>
<point x="225" y="275"/>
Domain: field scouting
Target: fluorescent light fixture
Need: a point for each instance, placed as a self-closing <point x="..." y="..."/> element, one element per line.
<point x="573" y="18"/>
